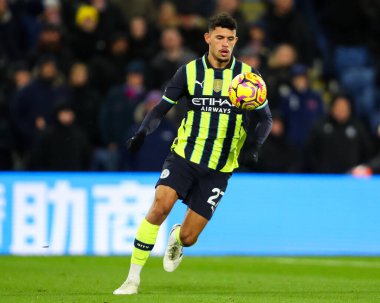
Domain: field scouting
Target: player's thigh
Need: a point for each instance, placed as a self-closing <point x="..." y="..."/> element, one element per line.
<point x="192" y="226"/>
<point x="205" y="196"/>
<point x="164" y="200"/>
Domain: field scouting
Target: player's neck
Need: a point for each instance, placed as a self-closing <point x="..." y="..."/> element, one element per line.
<point x="215" y="63"/>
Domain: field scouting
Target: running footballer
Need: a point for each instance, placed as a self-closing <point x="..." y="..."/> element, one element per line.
<point x="205" y="152"/>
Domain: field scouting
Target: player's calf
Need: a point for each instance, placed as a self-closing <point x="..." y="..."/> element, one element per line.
<point x="187" y="238"/>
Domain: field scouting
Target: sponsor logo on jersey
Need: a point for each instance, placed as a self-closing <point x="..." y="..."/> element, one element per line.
<point x="199" y="83"/>
<point x="211" y="102"/>
<point x="213" y="105"/>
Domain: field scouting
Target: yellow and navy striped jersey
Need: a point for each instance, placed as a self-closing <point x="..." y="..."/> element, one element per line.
<point x="212" y="132"/>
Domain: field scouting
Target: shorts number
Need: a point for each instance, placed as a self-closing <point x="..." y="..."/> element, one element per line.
<point x="211" y="199"/>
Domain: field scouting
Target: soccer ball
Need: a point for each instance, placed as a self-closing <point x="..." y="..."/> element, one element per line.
<point x="247" y="91"/>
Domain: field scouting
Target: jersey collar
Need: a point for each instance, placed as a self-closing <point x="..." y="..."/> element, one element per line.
<point x="207" y="63"/>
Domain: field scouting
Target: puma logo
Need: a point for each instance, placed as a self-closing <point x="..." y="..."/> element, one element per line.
<point x="200" y="83"/>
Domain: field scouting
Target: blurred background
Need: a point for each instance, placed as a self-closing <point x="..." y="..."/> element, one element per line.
<point x="77" y="78"/>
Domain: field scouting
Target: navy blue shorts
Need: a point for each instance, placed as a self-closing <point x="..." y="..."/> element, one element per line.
<point x="200" y="188"/>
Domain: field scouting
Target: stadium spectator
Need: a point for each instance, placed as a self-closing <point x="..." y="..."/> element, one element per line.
<point x="253" y="10"/>
<point x="108" y="69"/>
<point x="159" y="141"/>
<point x="116" y="115"/>
<point x="196" y="8"/>
<point x="85" y="39"/>
<point x="253" y="59"/>
<point x="32" y="107"/>
<point x="170" y="58"/>
<point x="233" y="8"/>
<point x="7" y="138"/>
<point x="192" y="26"/>
<point x="110" y="18"/>
<point x="62" y="146"/>
<point x="134" y="8"/>
<point x="85" y="102"/>
<point x="277" y="155"/>
<point x="300" y="106"/>
<point x="50" y="43"/>
<point x="257" y="43"/>
<point x="143" y="39"/>
<point x="19" y="76"/>
<point x="339" y="141"/>
<point x="51" y="13"/>
<point x="278" y="76"/>
<point x="285" y="25"/>
<point x="13" y="35"/>
<point x="167" y="15"/>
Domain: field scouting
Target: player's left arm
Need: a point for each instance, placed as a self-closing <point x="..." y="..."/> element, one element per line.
<point x="262" y="129"/>
<point x="174" y="90"/>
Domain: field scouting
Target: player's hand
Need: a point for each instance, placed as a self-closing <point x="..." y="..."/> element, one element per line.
<point x="256" y="152"/>
<point x="134" y="143"/>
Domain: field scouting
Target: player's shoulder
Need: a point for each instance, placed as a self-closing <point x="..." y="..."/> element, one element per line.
<point x="193" y="62"/>
<point x="184" y="67"/>
<point x="188" y="68"/>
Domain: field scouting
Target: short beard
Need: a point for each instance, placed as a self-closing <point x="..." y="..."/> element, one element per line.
<point x="220" y="60"/>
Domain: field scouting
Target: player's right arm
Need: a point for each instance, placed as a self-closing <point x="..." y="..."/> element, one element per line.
<point x="175" y="89"/>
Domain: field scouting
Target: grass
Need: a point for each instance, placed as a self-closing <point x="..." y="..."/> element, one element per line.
<point x="199" y="279"/>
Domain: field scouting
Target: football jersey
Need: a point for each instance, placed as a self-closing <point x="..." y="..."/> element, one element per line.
<point x="212" y="132"/>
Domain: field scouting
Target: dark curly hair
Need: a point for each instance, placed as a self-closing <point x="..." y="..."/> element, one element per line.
<point x="222" y="20"/>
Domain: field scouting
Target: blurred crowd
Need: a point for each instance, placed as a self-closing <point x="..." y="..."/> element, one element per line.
<point x="77" y="78"/>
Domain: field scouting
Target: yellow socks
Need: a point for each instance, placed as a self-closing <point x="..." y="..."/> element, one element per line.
<point x="144" y="242"/>
<point x="176" y="233"/>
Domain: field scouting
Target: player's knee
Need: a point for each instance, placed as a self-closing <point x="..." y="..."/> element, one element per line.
<point x="188" y="238"/>
<point x="158" y="212"/>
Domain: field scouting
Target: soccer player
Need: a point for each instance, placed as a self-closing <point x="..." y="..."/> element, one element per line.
<point x="205" y="152"/>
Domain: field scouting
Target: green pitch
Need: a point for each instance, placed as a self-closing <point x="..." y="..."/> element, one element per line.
<point x="201" y="279"/>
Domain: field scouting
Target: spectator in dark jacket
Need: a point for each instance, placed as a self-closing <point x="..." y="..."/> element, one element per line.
<point x="143" y="38"/>
<point x="85" y="39"/>
<point x="50" y="43"/>
<point x="301" y="107"/>
<point x="285" y="25"/>
<point x="13" y="40"/>
<point x="157" y="145"/>
<point x="172" y="56"/>
<point x="62" y="146"/>
<point x="33" y="107"/>
<point x="278" y="74"/>
<point x="85" y="101"/>
<point x="7" y="139"/>
<point x="277" y="154"/>
<point x="116" y="116"/>
<point x="109" y="70"/>
<point x="338" y="142"/>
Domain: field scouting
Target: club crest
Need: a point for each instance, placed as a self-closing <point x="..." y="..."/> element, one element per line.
<point x="165" y="173"/>
<point x="218" y="84"/>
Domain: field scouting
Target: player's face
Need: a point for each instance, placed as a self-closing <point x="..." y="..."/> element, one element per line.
<point x="221" y="43"/>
